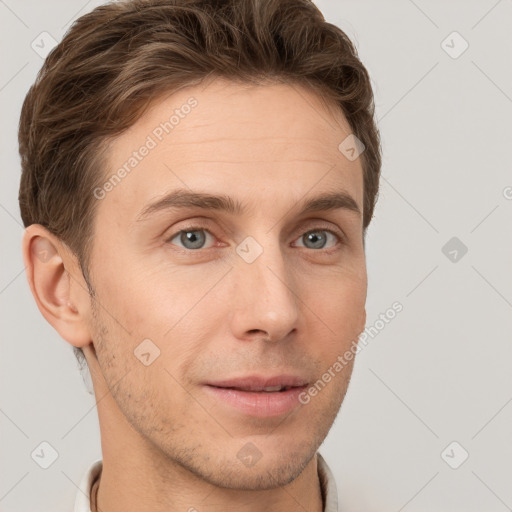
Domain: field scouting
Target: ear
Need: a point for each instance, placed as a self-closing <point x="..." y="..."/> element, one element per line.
<point x="57" y="284"/>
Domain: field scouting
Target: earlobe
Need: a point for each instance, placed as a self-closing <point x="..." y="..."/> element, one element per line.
<point x="49" y="269"/>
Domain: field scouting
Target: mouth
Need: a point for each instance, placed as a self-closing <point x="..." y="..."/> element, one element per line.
<point x="259" y="396"/>
<point x="268" y="389"/>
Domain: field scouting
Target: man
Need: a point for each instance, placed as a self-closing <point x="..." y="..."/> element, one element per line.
<point x="197" y="180"/>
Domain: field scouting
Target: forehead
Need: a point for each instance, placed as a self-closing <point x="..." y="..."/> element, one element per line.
<point x="273" y="141"/>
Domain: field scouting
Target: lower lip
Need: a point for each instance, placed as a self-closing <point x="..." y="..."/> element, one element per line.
<point x="259" y="403"/>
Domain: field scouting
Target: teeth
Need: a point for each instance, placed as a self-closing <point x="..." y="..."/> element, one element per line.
<point x="268" y="389"/>
<point x="273" y="388"/>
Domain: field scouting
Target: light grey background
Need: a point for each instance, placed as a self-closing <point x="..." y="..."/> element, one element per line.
<point x="437" y="373"/>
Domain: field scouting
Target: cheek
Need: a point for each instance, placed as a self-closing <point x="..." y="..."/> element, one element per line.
<point x="341" y="293"/>
<point x="338" y="310"/>
<point x="176" y="308"/>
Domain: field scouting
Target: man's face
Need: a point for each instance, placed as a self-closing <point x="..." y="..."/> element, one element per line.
<point x="221" y="295"/>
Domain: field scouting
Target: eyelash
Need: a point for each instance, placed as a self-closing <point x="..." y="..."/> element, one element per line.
<point x="186" y="229"/>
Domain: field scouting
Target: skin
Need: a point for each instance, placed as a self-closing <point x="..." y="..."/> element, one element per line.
<point x="167" y="445"/>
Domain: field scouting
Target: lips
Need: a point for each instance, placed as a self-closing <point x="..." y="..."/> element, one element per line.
<point x="257" y="383"/>
<point x="264" y="397"/>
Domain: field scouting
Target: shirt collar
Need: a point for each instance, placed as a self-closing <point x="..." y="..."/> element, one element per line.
<point x="327" y="485"/>
<point x="83" y="499"/>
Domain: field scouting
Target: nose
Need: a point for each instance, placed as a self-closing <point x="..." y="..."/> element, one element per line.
<point x="265" y="303"/>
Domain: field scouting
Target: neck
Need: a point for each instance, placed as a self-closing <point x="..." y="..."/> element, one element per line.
<point x="123" y="488"/>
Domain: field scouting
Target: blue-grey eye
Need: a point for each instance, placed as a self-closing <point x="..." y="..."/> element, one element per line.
<point x="317" y="239"/>
<point x="191" y="238"/>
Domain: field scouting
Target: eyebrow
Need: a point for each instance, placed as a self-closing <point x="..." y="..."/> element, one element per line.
<point x="182" y="198"/>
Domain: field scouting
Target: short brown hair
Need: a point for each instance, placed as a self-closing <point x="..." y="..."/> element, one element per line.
<point x="117" y="59"/>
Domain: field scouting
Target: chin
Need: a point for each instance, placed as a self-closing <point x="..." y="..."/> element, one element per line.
<point x="258" y="468"/>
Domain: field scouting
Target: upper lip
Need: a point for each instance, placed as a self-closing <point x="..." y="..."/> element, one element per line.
<point x="258" y="383"/>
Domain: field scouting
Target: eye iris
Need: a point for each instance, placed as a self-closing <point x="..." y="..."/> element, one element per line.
<point x="313" y="237"/>
<point x="191" y="240"/>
